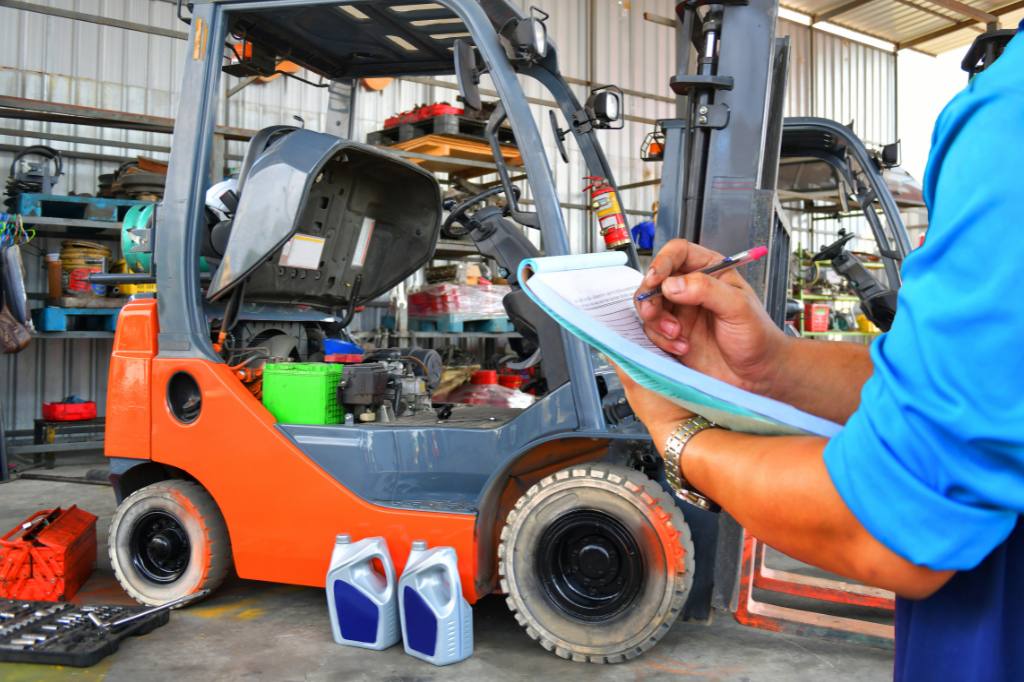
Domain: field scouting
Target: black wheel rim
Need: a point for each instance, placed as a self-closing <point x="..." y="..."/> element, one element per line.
<point x="590" y="565"/>
<point x="160" y="547"/>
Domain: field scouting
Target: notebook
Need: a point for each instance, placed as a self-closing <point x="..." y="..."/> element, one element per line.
<point x="591" y="295"/>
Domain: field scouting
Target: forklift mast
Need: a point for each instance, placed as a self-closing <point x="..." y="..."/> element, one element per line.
<point x="718" y="189"/>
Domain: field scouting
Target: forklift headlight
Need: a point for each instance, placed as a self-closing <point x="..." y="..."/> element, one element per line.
<point x="604" y="107"/>
<point x="607" y="108"/>
<point x="531" y="36"/>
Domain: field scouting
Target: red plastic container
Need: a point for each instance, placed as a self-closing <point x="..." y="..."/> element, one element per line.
<point x="344" y="358"/>
<point x="422" y="113"/>
<point x="484" y="377"/>
<point x="510" y="381"/>
<point x="69" y="412"/>
<point x="816" y="317"/>
<point x="49" y="555"/>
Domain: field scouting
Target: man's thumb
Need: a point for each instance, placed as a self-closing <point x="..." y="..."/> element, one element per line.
<point x="698" y="289"/>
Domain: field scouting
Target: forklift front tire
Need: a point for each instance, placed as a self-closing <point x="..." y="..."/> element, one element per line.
<point x="597" y="562"/>
<point x="168" y="540"/>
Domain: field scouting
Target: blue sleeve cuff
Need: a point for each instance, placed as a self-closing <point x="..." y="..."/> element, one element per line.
<point x="903" y="512"/>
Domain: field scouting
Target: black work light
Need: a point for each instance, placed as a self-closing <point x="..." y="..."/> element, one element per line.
<point x="527" y="37"/>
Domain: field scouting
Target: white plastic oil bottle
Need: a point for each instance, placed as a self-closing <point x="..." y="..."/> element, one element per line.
<point x="362" y="602"/>
<point x="437" y="622"/>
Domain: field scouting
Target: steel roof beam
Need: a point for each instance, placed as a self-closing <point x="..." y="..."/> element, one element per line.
<point x="928" y="10"/>
<point x="967" y="23"/>
<point x="966" y="10"/>
<point x="836" y="11"/>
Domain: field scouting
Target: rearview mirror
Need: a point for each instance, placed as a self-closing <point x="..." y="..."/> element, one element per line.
<point x="467" y="74"/>
<point x="604" y="107"/>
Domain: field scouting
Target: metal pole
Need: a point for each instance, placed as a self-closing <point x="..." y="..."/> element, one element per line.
<point x="5" y="474"/>
<point x="93" y="19"/>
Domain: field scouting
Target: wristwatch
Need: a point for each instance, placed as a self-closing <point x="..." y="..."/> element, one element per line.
<point x="677" y="440"/>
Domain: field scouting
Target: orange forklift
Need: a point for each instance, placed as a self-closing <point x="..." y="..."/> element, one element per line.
<point x="562" y="505"/>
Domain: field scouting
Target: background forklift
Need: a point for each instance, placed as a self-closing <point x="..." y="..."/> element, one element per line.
<point x="560" y="505"/>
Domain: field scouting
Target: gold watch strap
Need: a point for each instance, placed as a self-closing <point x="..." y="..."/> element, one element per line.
<point x="677" y="440"/>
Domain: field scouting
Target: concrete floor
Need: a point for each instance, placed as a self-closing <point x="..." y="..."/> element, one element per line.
<point x="260" y="631"/>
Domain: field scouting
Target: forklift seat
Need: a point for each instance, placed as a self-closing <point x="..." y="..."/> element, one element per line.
<point x="326" y="222"/>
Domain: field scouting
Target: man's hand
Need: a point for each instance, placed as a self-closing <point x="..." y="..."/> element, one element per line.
<point x="715" y="325"/>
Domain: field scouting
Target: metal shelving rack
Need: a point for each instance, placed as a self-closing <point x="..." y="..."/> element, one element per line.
<point x="59" y="227"/>
<point x="832" y="334"/>
<point x="16" y="108"/>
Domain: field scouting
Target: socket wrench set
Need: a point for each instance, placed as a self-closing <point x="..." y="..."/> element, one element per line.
<point x="67" y="634"/>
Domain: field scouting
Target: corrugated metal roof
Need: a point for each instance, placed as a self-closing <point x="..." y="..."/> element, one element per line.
<point x="932" y="26"/>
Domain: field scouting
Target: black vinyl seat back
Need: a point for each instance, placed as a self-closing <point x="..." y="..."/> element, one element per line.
<point x="320" y="217"/>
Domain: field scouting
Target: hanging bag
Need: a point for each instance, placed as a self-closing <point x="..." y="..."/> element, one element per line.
<point x="14" y="337"/>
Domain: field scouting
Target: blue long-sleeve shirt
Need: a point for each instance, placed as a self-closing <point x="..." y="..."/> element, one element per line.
<point x="932" y="463"/>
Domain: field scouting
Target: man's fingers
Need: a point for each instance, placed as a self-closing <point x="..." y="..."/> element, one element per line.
<point x="661" y="316"/>
<point x="678" y="256"/>
<point x="725" y="300"/>
<point x="652" y="308"/>
<point x="672" y="346"/>
<point x="686" y="316"/>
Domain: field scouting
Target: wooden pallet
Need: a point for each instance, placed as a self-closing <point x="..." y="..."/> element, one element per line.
<point x="456" y="148"/>
<point x="457" y="323"/>
<point x="54" y="319"/>
<point x="445" y="124"/>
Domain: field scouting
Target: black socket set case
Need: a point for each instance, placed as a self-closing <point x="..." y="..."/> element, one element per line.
<point x="63" y="634"/>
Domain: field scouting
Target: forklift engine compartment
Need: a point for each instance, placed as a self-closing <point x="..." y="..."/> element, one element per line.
<point x="319" y="223"/>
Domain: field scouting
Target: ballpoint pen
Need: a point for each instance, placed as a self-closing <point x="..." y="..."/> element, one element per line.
<point x="724" y="265"/>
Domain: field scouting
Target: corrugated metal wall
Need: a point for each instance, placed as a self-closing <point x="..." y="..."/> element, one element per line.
<point x="841" y="79"/>
<point x="61" y="60"/>
<point x="855" y="84"/>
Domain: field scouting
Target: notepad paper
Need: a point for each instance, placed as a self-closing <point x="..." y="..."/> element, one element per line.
<point x="592" y="296"/>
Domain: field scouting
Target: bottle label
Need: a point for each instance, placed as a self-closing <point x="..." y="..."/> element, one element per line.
<point x="420" y="623"/>
<point x="357" y="614"/>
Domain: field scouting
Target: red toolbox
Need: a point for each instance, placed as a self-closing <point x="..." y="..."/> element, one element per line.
<point x="49" y="555"/>
<point x="422" y="113"/>
<point x="69" y="412"/>
<point x="816" y="317"/>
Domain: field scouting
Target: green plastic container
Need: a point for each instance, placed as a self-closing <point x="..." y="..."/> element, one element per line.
<point x="303" y="392"/>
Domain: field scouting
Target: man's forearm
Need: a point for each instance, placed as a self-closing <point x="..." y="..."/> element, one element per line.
<point x="779" y="489"/>
<point x="822" y="377"/>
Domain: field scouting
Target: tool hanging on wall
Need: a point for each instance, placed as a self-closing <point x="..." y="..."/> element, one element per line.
<point x="31" y="173"/>
<point x="605" y="202"/>
<point x="13" y="230"/>
<point x="15" y="321"/>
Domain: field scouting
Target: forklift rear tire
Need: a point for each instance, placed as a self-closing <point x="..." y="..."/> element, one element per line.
<point x="597" y="563"/>
<point x="168" y="540"/>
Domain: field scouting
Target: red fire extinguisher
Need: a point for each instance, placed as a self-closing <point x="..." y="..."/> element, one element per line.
<point x="605" y="202"/>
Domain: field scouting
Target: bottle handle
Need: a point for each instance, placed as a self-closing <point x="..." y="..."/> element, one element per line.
<point x="454" y="586"/>
<point x="389" y="569"/>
